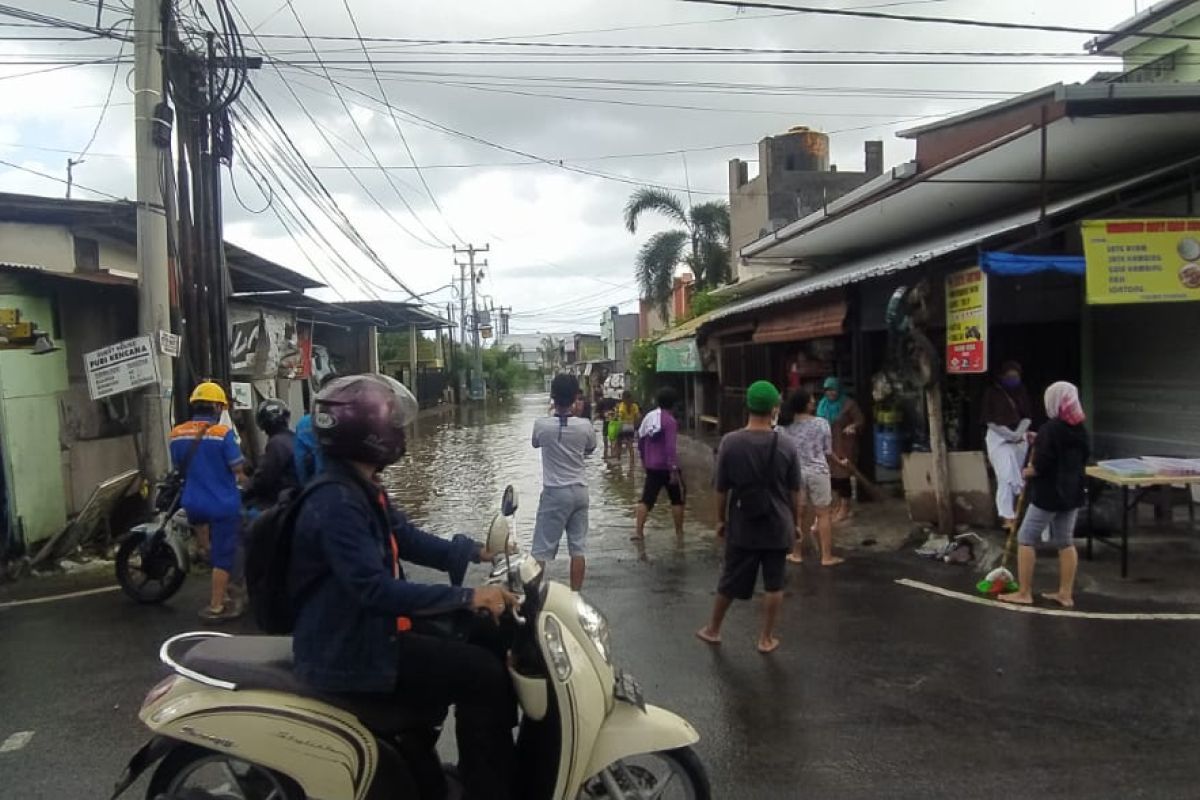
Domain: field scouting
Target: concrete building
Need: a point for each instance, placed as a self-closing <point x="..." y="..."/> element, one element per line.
<point x="68" y="270"/>
<point x="619" y="332"/>
<point x="794" y="179"/>
<point x="1155" y="60"/>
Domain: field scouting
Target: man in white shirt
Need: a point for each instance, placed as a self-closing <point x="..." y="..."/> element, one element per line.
<point x="564" y="440"/>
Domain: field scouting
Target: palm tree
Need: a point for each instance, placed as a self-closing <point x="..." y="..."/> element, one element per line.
<point x="703" y="244"/>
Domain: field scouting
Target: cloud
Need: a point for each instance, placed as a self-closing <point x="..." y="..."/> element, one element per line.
<point x="555" y="235"/>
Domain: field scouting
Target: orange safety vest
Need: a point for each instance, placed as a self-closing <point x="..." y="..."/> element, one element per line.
<point x="403" y="624"/>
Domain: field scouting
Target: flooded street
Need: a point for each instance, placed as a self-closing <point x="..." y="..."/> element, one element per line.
<point x="459" y="462"/>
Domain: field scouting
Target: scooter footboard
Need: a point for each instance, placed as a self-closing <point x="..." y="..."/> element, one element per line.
<point x="630" y="731"/>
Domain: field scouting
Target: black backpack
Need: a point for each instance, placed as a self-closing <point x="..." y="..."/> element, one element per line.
<point x="269" y="558"/>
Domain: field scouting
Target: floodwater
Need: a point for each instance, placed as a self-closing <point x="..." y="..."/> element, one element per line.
<point x="459" y="462"/>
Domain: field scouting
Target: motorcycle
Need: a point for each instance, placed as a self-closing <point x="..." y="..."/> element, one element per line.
<point x="153" y="559"/>
<point x="233" y="722"/>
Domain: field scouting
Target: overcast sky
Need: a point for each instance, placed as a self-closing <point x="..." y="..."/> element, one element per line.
<point x="559" y="253"/>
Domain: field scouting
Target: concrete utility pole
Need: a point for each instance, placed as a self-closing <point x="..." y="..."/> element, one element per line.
<point x="154" y="313"/>
<point x="478" y="387"/>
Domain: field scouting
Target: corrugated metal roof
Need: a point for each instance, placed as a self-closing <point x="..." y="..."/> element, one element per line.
<point x="102" y="277"/>
<point x="685" y="329"/>
<point x="913" y="255"/>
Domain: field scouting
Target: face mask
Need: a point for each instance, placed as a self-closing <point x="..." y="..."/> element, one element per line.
<point x="1009" y="382"/>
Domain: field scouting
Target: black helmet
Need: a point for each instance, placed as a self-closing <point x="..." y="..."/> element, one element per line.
<point x="362" y="418"/>
<point x="272" y="415"/>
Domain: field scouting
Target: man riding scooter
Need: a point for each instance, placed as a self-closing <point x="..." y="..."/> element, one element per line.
<point x="361" y="626"/>
<point x="276" y="470"/>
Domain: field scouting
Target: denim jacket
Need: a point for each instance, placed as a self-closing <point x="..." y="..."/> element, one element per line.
<point x="346" y="596"/>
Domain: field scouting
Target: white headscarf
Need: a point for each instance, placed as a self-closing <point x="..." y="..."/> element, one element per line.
<point x="1062" y="402"/>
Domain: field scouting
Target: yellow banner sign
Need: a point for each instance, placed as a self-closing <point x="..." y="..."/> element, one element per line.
<point x="1142" y="260"/>
<point x="966" y="322"/>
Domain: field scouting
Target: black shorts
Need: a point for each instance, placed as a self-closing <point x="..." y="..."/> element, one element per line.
<point x="742" y="567"/>
<point x="841" y="487"/>
<point x="656" y="481"/>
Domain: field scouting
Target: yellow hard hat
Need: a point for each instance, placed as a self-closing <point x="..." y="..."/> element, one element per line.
<point x="208" y="392"/>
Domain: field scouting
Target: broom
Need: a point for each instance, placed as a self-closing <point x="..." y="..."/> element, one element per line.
<point x="1000" y="580"/>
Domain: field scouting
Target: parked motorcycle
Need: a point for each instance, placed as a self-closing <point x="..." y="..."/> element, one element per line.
<point x="153" y="559"/>
<point x="232" y="721"/>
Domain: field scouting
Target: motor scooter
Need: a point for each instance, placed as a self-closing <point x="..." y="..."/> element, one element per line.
<point x="233" y="722"/>
<point x="154" y="558"/>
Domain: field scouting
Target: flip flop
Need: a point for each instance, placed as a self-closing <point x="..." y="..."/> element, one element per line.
<point x="771" y="648"/>
<point x="706" y="637"/>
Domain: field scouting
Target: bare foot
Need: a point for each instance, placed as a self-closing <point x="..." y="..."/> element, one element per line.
<point x="795" y="559"/>
<point x="705" y="635"/>
<point x="637" y="537"/>
<point x="766" y="646"/>
<point x="1016" y="597"/>
<point x="1065" y="602"/>
<point x="832" y="561"/>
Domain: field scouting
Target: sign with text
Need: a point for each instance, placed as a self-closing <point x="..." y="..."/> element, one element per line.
<point x="966" y="322"/>
<point x="1142" y="261"/>
<point x="168" y="343"/>
<point x="121" y="367"/>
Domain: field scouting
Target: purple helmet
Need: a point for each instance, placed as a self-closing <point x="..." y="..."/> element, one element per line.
<point x="362" y="418"/>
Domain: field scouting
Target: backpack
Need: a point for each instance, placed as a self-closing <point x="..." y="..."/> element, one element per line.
<point x="269" y="558"/>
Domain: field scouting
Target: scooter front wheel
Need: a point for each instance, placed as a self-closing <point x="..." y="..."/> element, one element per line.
<point x="148" y="574"/>
<point x="665" y="775"/>
<point x="193" y="772"/>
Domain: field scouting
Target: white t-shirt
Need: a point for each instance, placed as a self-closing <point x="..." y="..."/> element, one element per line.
<point x="564" y="441"/>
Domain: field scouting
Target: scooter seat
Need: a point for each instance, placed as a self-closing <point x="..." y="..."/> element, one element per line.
<point x="265" y="662"/>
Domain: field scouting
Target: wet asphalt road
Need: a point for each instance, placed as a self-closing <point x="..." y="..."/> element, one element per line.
<point x="879" y="690"/>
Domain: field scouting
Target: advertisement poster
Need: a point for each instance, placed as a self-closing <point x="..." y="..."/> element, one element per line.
<point x="1142" y="260"/>
<point x="121" y="367"/>
<point x="966" y="322"/>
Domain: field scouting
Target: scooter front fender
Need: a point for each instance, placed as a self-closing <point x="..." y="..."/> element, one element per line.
<point x="629" y="731"/>
<point x="146" y="535"/>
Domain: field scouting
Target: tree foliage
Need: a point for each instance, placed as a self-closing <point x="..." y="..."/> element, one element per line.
<point x="702" y="243"/>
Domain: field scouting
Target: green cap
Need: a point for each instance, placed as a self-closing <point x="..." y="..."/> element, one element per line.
<point x="762" y="397"/>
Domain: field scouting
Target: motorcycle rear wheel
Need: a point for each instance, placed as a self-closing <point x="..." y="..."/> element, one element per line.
<point x="665" y="775"/>
<point x="148" y="577"/>
<point x="193" y="772"/>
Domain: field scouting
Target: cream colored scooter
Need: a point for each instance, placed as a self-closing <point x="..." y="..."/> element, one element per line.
<point x="233" y="723"/>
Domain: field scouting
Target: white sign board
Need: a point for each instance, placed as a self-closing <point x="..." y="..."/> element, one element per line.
<point x="168" y="344"/>
<point x="243" y="396"/>
<point x="121" y="367"/>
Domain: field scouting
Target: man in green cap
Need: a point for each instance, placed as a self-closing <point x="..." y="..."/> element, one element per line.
<point x="758" y="505"/>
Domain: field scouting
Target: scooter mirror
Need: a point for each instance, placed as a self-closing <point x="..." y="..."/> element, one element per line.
<point x="508" y="505"/>
<point x="498" y="535"/>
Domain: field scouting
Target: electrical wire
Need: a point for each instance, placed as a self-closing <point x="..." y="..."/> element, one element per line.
<point x="956" y="21"/>
<point x="399" y="127"/>
<point x="112" y="84"/>
<point x="371" y="150"/>
<point x="57" y="179"/>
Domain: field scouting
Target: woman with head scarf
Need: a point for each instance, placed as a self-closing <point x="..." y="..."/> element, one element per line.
<point x="845" y="418"/>
<point x="1007" y="411"/>
<point x="1056" y="487"/>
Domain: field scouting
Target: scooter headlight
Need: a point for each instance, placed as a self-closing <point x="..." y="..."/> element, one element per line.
<point x="595" y="626"/>
<point x="556" y="649"/>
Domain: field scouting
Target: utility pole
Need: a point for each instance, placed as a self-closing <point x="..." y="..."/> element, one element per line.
<point x="478" y="388"/>
<point x="154" y="289"/>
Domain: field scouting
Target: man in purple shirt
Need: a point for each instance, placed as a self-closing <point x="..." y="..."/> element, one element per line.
<point x="660" y="457"/>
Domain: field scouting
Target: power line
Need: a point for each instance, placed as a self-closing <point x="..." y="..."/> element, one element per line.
<point x="57" y="179"/>
<point x="104" y="109"/>
<point x="973" y="23"/>
<point x="399" y="127"/>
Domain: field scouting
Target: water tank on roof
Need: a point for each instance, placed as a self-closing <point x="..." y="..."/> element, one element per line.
<point x="801" y="149"/>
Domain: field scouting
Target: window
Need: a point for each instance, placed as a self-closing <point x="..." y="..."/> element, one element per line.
<point x="87" y="254"/>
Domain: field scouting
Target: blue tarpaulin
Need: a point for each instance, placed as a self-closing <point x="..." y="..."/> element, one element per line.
<point x="1009" y="264"/>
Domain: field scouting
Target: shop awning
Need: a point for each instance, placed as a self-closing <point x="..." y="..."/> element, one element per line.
<point x="912" y="255"/>
<point x="800" y="326"/>
<point x="1013" y="264"/>
<point x="685" y="330"/>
